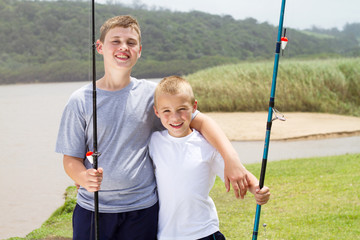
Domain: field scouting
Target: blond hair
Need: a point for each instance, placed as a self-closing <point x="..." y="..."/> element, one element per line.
<point x="123" y="21"/>
<point x="174" y="85"/>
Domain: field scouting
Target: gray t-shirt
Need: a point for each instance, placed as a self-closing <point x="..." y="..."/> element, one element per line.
<point x="125" y="121"/>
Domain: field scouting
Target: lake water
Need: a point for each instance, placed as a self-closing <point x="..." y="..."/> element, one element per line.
<point x="33" y="180"/>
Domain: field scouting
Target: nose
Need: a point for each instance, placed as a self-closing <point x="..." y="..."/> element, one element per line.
<point x="174" y="116"/>
<point x="123" y="47"/>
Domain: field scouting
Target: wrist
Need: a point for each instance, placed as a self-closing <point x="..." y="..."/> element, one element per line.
<point x="230" y="157"/>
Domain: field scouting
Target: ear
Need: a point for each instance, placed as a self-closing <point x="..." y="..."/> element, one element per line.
<point x="140" y="51"/>
<point x="156" y="112"/>
<point x="99" y="46"/>
<point x="194" y="106"/>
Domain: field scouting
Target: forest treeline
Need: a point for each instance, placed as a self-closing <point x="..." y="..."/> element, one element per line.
<point x="49" y="41"/>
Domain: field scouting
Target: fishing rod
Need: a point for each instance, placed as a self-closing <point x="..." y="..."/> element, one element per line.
<point x="270" y="117"/>
<point x="95" y="153"/>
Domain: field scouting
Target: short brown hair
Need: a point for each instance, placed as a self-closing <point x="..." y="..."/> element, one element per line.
<point x="124" y="21"/>
<point x="174" y="85"/>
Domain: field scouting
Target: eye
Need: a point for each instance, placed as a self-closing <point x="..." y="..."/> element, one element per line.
<point x="132" y="43"/>
<point x="116" y="42"/>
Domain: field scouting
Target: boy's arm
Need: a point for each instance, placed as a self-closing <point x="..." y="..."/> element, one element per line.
<point x="234" y="173"/>
<point x="90" y="179"/>
<point x="262" y="196"/>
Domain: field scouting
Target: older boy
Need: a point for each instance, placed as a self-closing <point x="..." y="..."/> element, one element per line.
<point x="127" y="199"/>
<point x="183" y="158"/>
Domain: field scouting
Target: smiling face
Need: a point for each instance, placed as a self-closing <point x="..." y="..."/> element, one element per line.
<point x="175" y="112"/>
<point x="121" y="48"/>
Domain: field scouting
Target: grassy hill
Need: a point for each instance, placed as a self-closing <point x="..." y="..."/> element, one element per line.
<point x="49" y="41"/>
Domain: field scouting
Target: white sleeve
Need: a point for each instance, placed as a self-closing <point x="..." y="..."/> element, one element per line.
<point x="218" y="165"/>
<point x="194" y="114"/>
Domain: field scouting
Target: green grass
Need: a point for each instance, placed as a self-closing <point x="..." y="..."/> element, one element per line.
<point x="314" y="198"/>
<point x="328" y="86"/>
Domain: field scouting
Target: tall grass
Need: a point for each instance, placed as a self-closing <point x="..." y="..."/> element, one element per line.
<point x="331" y="86"/>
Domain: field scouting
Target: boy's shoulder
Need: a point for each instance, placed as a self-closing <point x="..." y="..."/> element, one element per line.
<point x="78" y="96"/>
<point x="143" y="83"/>
<point x="159" y="134"/>
<point x="197" y="136"/>
<point x="82" y="90"/>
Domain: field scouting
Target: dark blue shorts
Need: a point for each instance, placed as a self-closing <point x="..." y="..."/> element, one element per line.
<point x="215" y="236"/>
<point x="134" y="225"/>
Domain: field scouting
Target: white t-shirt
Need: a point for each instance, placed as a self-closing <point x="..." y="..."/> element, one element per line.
<point x="185" y="170"/>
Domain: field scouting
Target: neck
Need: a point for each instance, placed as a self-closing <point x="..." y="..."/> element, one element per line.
<point x="113" y="81"/>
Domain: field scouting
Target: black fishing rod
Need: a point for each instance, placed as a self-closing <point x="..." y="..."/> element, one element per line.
<point x="95" y="153"/>
<point x="270" y="117"/>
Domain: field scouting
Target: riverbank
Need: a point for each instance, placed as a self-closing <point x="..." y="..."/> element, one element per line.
<point x="239" y="126"/>
<point x="289" y="182"/>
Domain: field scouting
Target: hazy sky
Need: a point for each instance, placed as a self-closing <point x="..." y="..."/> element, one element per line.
<point x="299" y="14"/>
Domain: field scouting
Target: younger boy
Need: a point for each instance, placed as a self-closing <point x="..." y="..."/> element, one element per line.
<point x="185" y="168"/>
<point x="128" y="202"/>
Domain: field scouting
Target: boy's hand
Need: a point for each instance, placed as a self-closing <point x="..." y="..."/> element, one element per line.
<point x="93" y="179"/>
<point x="236" y="174"/>
<point x="262" y="196"/>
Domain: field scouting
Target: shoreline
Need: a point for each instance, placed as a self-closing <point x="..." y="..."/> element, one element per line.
<point x="322" y="136"/>
<point x="251" y="126"/>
